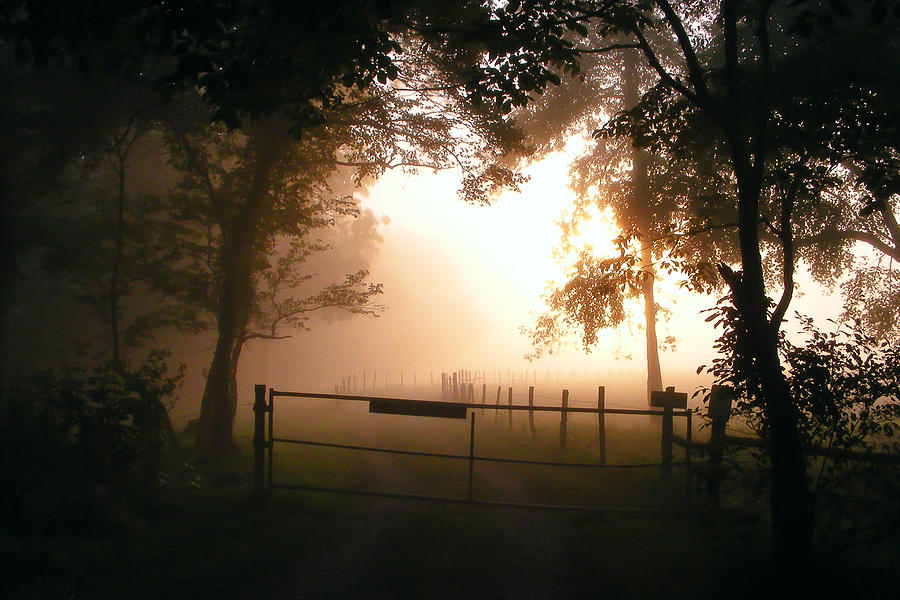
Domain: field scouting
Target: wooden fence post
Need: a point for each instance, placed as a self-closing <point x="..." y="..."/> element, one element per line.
<point x="455" y="387"/>
<point x="471" y="393"/>
<point x="483" y="392"/>
<point x="509" y="401"/>
<point x="471" y="455"/>
<point x="259" y="440"/>
<point x="531" y="412"/>
<point x="720" y="398"/>
<point x="601" y="423"/>
<point x="667" y="438"/>
<point x="667" y="400"/>
<point x="563" y="420"/>
<point x="497" y="410"/>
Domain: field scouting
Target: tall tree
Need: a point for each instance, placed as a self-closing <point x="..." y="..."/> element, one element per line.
<point x="245" y="212"/>
<point x="627" y="190"/>
<point x="730" y="76"/>
<point x="616" y="174"/>
<point x="265" y="72"/>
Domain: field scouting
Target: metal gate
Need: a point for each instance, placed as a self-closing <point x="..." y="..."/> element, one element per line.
<point x="265" y="439"/>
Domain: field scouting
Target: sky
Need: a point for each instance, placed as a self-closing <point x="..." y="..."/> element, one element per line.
<point x="459" y="283"/>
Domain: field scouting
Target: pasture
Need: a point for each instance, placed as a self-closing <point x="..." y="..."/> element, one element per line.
<point x="222" y="543"/>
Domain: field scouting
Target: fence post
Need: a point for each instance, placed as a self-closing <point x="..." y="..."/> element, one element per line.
<point x="601" y="423"/>
<point x="471" y="397"/>
<point x="270" y="443"/>
<point x="483" y="392"/>
<point x="455" y="387"/>
<point x="667" y="438"/>
<point x="668" y="401"/>
<point x="471" y="455"/>
<point x="509" y="401"/>
<point x="531" y="411"/>
<point x="259" y="440"/>
<point x="563" y="420"/>
<point x="687" y="456"/>
<point x="719" y="410"/>
<point x="497" y="410"/>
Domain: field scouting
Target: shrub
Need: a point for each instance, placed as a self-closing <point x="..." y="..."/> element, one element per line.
<point x="82" y="444"/>
<point x="846" y="390"/>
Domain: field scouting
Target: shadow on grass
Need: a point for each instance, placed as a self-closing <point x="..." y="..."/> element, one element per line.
<point x="220" y="544"/>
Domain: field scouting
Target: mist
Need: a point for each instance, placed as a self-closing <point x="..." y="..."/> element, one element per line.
<point x="415" y="299"/>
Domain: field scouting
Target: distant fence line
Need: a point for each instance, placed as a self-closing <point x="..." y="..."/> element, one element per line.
<point x="371" y="380"/>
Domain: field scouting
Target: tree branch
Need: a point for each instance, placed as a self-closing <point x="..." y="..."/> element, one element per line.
<point x="859" y="236"/>
<point x="661" y="70"/>
<point x="762" y="110"/>
<point x="695" y="71"/>
<point x="787" y="244"/>
<point x="890" y="220"/>
<point x="609" y="48"/>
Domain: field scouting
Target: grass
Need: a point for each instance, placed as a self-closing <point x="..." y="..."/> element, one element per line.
<point x="221" y="544"/>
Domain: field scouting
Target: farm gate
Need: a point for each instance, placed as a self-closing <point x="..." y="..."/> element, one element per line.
<point x="672" y="404"/>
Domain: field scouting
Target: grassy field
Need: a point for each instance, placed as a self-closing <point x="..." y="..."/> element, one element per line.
<point x="221" y="544"/>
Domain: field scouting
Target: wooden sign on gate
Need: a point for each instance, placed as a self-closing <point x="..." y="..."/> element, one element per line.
<point x="668" y="399"/>
<point x="418" y="408"/>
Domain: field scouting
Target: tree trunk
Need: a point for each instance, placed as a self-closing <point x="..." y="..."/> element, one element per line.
<point x="218" y="409"/>
<point x="791" y="507"/>
<point x="114" y="291"/>
<point x="654" y="372"/>
<point x="241" y="236"/>
<point x="639" y="209"/>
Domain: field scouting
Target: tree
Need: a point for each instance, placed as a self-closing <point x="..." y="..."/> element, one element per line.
<point x="645" y="197"/>
<point x="730" y="77"/>
<point x="250" y="198"/>
<point x="244" y="213"/>
<point x="265" y="73"/>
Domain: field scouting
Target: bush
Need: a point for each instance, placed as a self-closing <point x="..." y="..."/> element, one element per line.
<point x="846" y="390"/>
<point x="81" y="446"/>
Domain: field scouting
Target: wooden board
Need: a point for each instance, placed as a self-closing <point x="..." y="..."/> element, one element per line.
<point x="418" y="408"/>
<point x="668" y="399"/>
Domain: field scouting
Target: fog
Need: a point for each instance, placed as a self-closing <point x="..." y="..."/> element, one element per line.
<point x="459" y="282"/>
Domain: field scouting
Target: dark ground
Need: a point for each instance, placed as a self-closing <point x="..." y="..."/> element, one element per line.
<point x="302" y="545"/>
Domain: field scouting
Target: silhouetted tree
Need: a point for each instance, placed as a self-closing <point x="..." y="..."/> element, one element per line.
<point x="736" y="66"/>
<point x="244" y="214"/>
<point x="646" y="200"/>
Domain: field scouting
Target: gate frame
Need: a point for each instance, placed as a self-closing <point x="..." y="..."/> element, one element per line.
<point x="264" y="441"/>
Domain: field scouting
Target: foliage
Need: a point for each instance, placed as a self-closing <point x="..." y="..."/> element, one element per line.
<point x="846" y="386"/>
<point x="86" y="441"/>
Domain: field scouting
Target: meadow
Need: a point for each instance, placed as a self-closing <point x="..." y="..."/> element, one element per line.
<point x="643" y="541"/>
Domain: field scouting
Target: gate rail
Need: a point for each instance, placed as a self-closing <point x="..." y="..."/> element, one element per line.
<point x="264" y="441"/>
